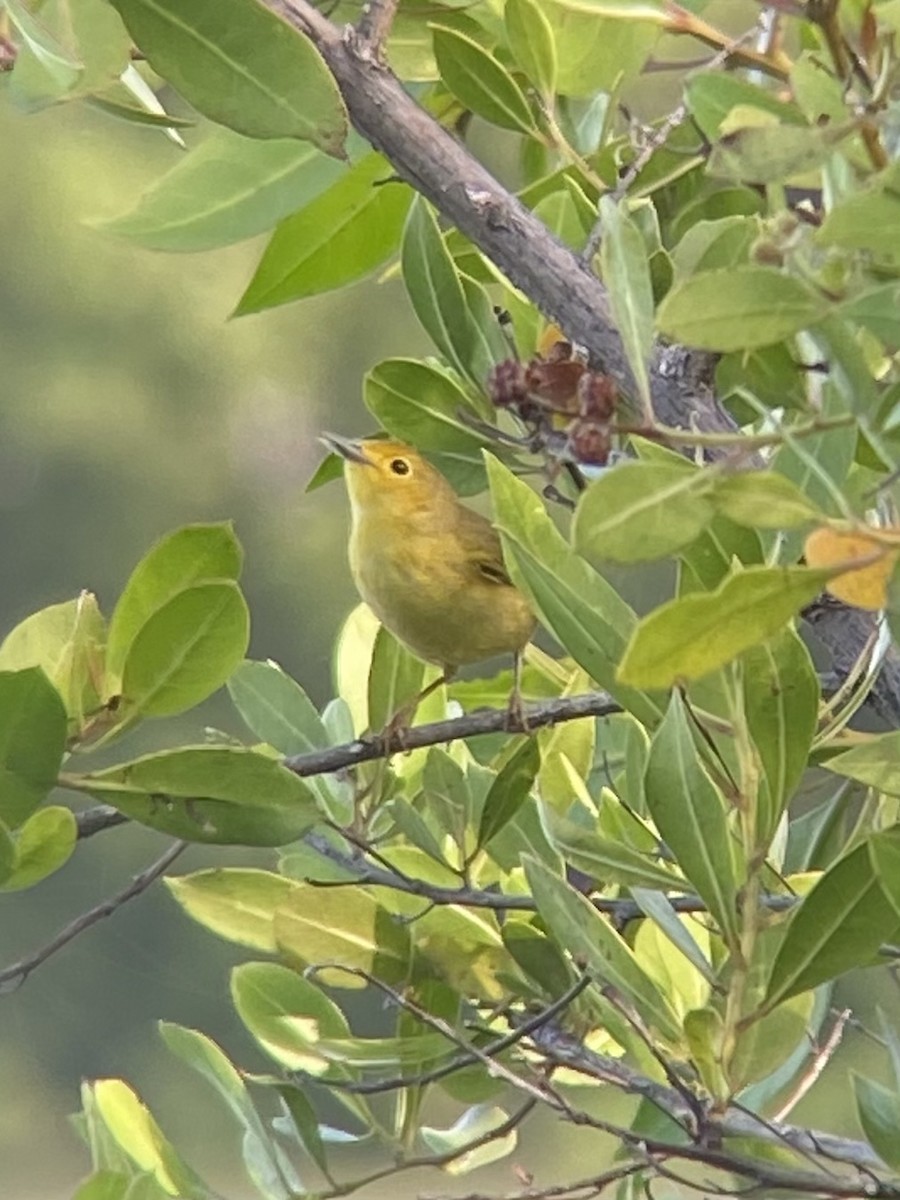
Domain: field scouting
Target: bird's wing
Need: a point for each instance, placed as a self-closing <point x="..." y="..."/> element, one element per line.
<point x="482" y="547"/>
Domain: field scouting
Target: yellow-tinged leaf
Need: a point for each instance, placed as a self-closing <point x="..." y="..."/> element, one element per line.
<point x="864" y="586"/>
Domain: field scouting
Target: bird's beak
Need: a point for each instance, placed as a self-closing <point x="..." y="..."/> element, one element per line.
<point x="347" y="448"/>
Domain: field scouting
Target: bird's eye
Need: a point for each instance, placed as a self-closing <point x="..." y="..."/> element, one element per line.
<point x="399" y="466"/>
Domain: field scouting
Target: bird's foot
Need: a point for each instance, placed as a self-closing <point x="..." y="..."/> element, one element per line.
<point x="516" y="714"/>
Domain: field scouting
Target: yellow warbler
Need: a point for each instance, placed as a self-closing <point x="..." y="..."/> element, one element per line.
<point x="429" y="568"/>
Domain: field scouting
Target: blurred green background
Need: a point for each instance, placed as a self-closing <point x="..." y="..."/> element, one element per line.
<point x="132" y="405"/>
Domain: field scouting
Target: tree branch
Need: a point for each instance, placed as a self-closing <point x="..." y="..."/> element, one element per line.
<point x="439" y="167"/>
<point x="475" y="724"/>
<point x="565" y="1050"/>
<point x="339" y="758"/>
<point x="622" y="911"/>
<point x="14" y="976"/>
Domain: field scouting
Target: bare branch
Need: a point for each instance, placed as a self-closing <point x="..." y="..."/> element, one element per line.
<point x="432" y="1160"/>
<point x="622" y="910"/>
<point x="13" y="976"/>
<point x="351" y="754"/>
<point x="821" y="1058"/>
<point x="467" y="1057"/>
<point x="487" y="720"/>
<point x="563" y="1049"/>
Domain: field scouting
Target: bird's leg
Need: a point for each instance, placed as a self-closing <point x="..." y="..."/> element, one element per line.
<point x="516" y="708"/>
<point x="399" y="723"/>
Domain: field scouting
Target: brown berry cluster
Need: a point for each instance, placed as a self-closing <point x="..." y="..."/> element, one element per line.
<point x="556" y="393"/>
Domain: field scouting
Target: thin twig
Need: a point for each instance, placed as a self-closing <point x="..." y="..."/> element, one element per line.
<point x="657" y="140"/>
<point x="621" y="910"/>
<point x="13" y="976"/>
<point x="592" y="1186"/>
<point x="432" y="1160"/>
<point x="467" y="1057"/>
<point x="566" y="1050"/>
<point x="820" y="1060"/>
<point x="495" y="1068"/>
<point x="475" y="724"/>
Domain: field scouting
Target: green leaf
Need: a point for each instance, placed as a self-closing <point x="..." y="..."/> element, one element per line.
<point x="691" y="815"/>
<point x="763" y="500"/>
<point x="186" y="650"/>
<point x="66" y="640"/>
<point x="710" y="557"/>
<point x="241" y="66"/>
<point x="659" y="909"/>
<point x="448" y="795"/>
<point x="194" y="554"/>
<point x="420" y="403"/>
<point x="584" y="933"/>
<point x="479" y="82"/>
<point x="875" y="309"/>
<point x="229" y="188"/>
<point x="738" y="309"/>
<point x="781" y="704"/>
<point x="690" y="637"/>
<point x="116" y="1185"/>
<point x="67" y="50"/>
<point x="395" y="679"/>
<point x="711" y="96"/>
<point x="704" y="1030"/>
<point x="305" y="1121"/>
<point x="217" y="794"/>
<point x="530" y="38"/>
<point x="709" y="245"/>
<point x="626" y="272"/>
<point x="577" y="605"/>
<point x="814" y="464"/>
<point x="45" y="69"/>
<point x="32" y="742"/>
<point x="879" y="1114"/>
<point x="875" y="763"/>
<point x="865" y="220"/>
<point x="133" y="1129"/>
<point x="641" y="511"/>
<point x="603" y="858"/>
<point x="839" y="925"/>
<point x="441" y="302"/>
<point x="341" y="236"/>
<point x="596" y="54"/>
<point x="287" y="1014"/>
<point x="276" y="708"/>
<point x="43" y="844"/>
<point x="885" y="855"/>
<point x="261" y="1153"/>
<point x="768" y="1044"/>
<point x="774" y="153"/>
<point x="472" y="1127"/>
<point x="102" y="41"/>
<point x="237" y="903"/>
<point x="342" y="927"/>
<point x="509" y="791"/>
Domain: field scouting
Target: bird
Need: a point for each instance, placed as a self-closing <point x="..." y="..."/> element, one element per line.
<point x="430" y="568"/>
